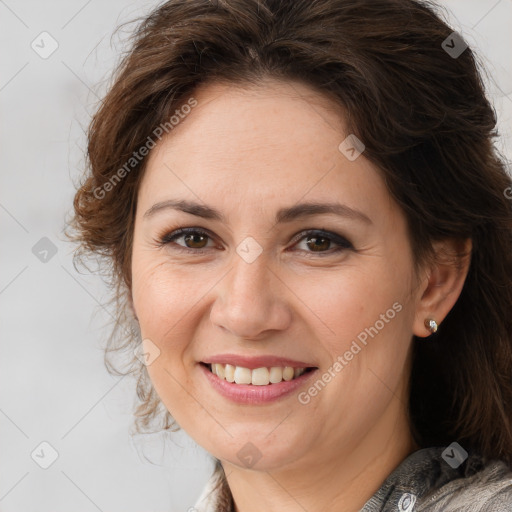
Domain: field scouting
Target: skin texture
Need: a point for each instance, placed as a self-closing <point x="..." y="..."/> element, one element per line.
<point x="249" y="151"/>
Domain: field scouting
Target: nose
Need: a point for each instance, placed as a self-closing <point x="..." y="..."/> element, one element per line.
<point x="251" y="300"/>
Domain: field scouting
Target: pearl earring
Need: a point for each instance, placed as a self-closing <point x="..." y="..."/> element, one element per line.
<point x="431" y="325"/>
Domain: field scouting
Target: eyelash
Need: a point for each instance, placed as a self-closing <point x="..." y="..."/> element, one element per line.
<point x="341" y="242"/>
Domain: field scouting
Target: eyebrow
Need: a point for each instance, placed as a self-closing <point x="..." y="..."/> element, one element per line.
<point x="286" y="214"/>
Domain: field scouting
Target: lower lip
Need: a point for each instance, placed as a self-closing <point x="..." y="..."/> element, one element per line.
<point x="251" y="394"/>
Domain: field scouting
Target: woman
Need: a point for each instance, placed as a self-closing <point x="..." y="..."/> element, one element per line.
<point x="302" y="209"/>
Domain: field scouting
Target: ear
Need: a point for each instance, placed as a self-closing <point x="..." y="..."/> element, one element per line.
<point x="441" y="287"/>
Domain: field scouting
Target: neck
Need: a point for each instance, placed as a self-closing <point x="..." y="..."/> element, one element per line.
<point x="330" y="480"/>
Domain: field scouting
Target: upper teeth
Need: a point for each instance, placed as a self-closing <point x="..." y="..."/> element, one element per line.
<point x="258" y="376"/>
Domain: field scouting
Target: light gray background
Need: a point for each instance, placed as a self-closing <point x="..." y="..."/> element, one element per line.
<point x="53" y="385"/>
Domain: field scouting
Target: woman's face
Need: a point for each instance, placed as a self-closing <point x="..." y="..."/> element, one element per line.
<point x="263" y="282"/>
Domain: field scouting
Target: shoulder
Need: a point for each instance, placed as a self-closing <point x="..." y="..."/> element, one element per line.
<point x="483" y="486"/>
<point x="440" y="479"/>
<point x="207" y="501"/>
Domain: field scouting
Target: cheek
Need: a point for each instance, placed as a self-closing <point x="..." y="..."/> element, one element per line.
<point x="161" y="298"/>
<point x="164" y="303"/>
<point x="364" y="317"/>
<point x="367" y="343"/>
<point x="350" y="300"/>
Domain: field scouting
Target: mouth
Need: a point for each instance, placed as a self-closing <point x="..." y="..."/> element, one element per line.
<point x="258" y="385"/>
<point x="263" y="376"/>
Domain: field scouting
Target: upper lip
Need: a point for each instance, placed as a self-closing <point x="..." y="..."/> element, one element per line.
<point x="253" y="362"/>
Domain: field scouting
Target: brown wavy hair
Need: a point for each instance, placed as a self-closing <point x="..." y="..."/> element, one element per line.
<point x="427" y="124"/>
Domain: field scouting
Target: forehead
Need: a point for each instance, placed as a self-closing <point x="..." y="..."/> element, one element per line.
<point x="277" y="118"/>
<point x="274" y="142"/>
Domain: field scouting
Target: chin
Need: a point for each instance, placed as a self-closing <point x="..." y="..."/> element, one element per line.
<point x="255" y="450"/>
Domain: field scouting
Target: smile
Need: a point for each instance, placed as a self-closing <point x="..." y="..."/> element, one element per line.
<point x="256" y="386"/>
<point x="258" y="376"/>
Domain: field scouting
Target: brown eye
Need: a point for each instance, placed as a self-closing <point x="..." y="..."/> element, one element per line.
<point x="322" y="243"/>
<point x="193" y="239"/>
